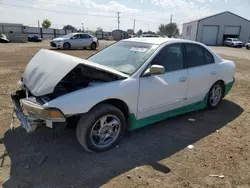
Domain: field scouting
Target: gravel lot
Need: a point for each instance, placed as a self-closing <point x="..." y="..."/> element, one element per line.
<point x="155" y="156"/>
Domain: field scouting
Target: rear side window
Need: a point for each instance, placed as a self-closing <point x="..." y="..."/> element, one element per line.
<point x="209" y="59"/>
<point x="195" y="55"/>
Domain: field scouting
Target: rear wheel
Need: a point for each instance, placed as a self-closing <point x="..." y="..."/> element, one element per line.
<point x="101" y="128"/>
<point x="93" y="46"/>
<point x="215" y="95"/>
<point x="247" y="47"/>
<point x="66" y="46"/>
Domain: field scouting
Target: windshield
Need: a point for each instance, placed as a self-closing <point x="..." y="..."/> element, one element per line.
<point x="68" y="35"/>
<point x="235" y="39"/>
<point x="124" y="56"/>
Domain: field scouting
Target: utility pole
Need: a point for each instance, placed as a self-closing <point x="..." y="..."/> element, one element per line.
<point x="82" y="27"/>
<point x="134" y="26"/>
<point x="171" y="18"/>
<point x="118" y="19"/>
<point x="38" y="22"/>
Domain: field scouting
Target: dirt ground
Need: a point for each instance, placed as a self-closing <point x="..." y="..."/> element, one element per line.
<point x="155" y="156"/>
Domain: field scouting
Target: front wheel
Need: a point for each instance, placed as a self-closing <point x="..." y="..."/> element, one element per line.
<point x="215" y="95"/>
<point x="101" y="128"/>
<point x="66" y="46"/>
<point x="247" y="47"/>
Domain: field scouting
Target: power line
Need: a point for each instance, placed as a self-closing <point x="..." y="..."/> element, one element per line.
<point x="56" y="11"/>
<point x="47" y="2"/>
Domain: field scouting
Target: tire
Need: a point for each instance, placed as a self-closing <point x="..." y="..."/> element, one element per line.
<point x="214" y="101"/>
<point x="66" y="46"/>
<point x="88" y="131"/>
<point x="93" y="46"/>
<point x="232" y="45"/>
<point x="247" y="47"/>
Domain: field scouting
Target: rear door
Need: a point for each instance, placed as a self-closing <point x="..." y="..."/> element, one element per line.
<point x="86" y="40"/>
<point x="202" y="72"/>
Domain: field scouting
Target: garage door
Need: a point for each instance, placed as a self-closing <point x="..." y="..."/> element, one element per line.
<point x="232" y="30"/>
<point x="209" y="35"/>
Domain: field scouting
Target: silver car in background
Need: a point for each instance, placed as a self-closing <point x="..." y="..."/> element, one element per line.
<point x="75" y="41"/>
<point x="233" y="42"/>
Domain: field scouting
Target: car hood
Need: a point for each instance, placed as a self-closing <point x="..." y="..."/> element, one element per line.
<point x="47" y="68"/>
<point x="59" y="38"/>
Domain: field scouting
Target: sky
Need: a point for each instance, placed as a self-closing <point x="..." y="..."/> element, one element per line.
<point x="90" y="14"/>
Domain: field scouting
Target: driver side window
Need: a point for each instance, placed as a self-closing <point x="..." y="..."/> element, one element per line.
<point x="170" y="57"/>
<point x="76" y="36"/>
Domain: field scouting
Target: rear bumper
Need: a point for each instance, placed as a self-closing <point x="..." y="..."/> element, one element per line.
<point x="228" y="87"/>
<point x="34" y="112"/>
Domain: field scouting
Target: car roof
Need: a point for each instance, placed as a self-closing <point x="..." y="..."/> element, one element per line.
<point x="157" y="40"/>
<point x="79" y="33"/>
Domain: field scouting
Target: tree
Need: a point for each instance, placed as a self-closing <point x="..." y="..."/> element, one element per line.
<point x="139" y="32"/>
<point x="69" y="27"/>
<point x="99" y="29"/>
<point x="149" y="32"/>
<point x="46" y="23"/>
<point x="171" y="30"/>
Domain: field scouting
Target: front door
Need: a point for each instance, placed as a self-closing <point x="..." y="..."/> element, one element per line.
<point x="162" y="93"/>
<point x="76" y="41"/>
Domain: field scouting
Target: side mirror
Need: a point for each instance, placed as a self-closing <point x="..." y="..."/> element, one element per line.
<point x="154" y="69"/>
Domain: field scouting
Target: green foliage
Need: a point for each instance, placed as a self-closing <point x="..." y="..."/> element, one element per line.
<point x="69" y="27"/>
<point x="139" y="32"/>
<point x="170" y="30"/>
<point x="46" y="23"/>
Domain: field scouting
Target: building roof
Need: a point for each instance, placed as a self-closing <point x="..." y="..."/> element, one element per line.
<point x="156" y="40"/>
<point x="11" y="24"/>
<point x="217" y="15"/>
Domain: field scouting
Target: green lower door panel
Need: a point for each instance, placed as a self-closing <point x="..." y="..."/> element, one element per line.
<point x="135" y="124"/>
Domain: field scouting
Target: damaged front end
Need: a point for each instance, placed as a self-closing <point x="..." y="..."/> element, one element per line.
<point x="50" y="75"/>
<point x="31" y="113"/>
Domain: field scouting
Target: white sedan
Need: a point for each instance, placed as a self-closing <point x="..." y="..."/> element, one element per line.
<point x="128" y="85"/>
<point x="74" y="41"/>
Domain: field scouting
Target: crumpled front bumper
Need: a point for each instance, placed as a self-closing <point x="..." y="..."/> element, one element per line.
<point x="35" y="112"/>
<point x="19" y="113"/>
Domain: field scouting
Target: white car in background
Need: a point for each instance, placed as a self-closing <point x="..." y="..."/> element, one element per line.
<point x="128" y="85"/>
<point x="233" y="42"/>
<point x="74" y="41"/>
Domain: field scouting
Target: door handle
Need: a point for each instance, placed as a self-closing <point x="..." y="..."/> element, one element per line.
<point x="213" y="72"/>
<point x="182" y="79"/>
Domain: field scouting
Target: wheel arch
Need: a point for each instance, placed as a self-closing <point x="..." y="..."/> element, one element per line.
<point x="118" y="103"/>
<point x="222" y="83"/>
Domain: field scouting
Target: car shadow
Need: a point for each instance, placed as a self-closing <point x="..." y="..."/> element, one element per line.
<point x="55" y="159"/>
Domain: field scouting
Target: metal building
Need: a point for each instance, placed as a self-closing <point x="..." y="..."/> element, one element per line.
<point x="119" y="34"/>
<point x="213" y="30"/>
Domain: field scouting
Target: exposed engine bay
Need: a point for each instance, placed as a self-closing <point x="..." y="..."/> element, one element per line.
<point x="81" y="77"/>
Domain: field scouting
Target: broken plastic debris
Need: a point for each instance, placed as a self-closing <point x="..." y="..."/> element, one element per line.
<point x="190" y="146"/>
<point x="191" y="119"/>
<point x="220" y="176"/>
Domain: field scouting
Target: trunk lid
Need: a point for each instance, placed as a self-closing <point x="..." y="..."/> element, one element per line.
<point x="47" y="68"/>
